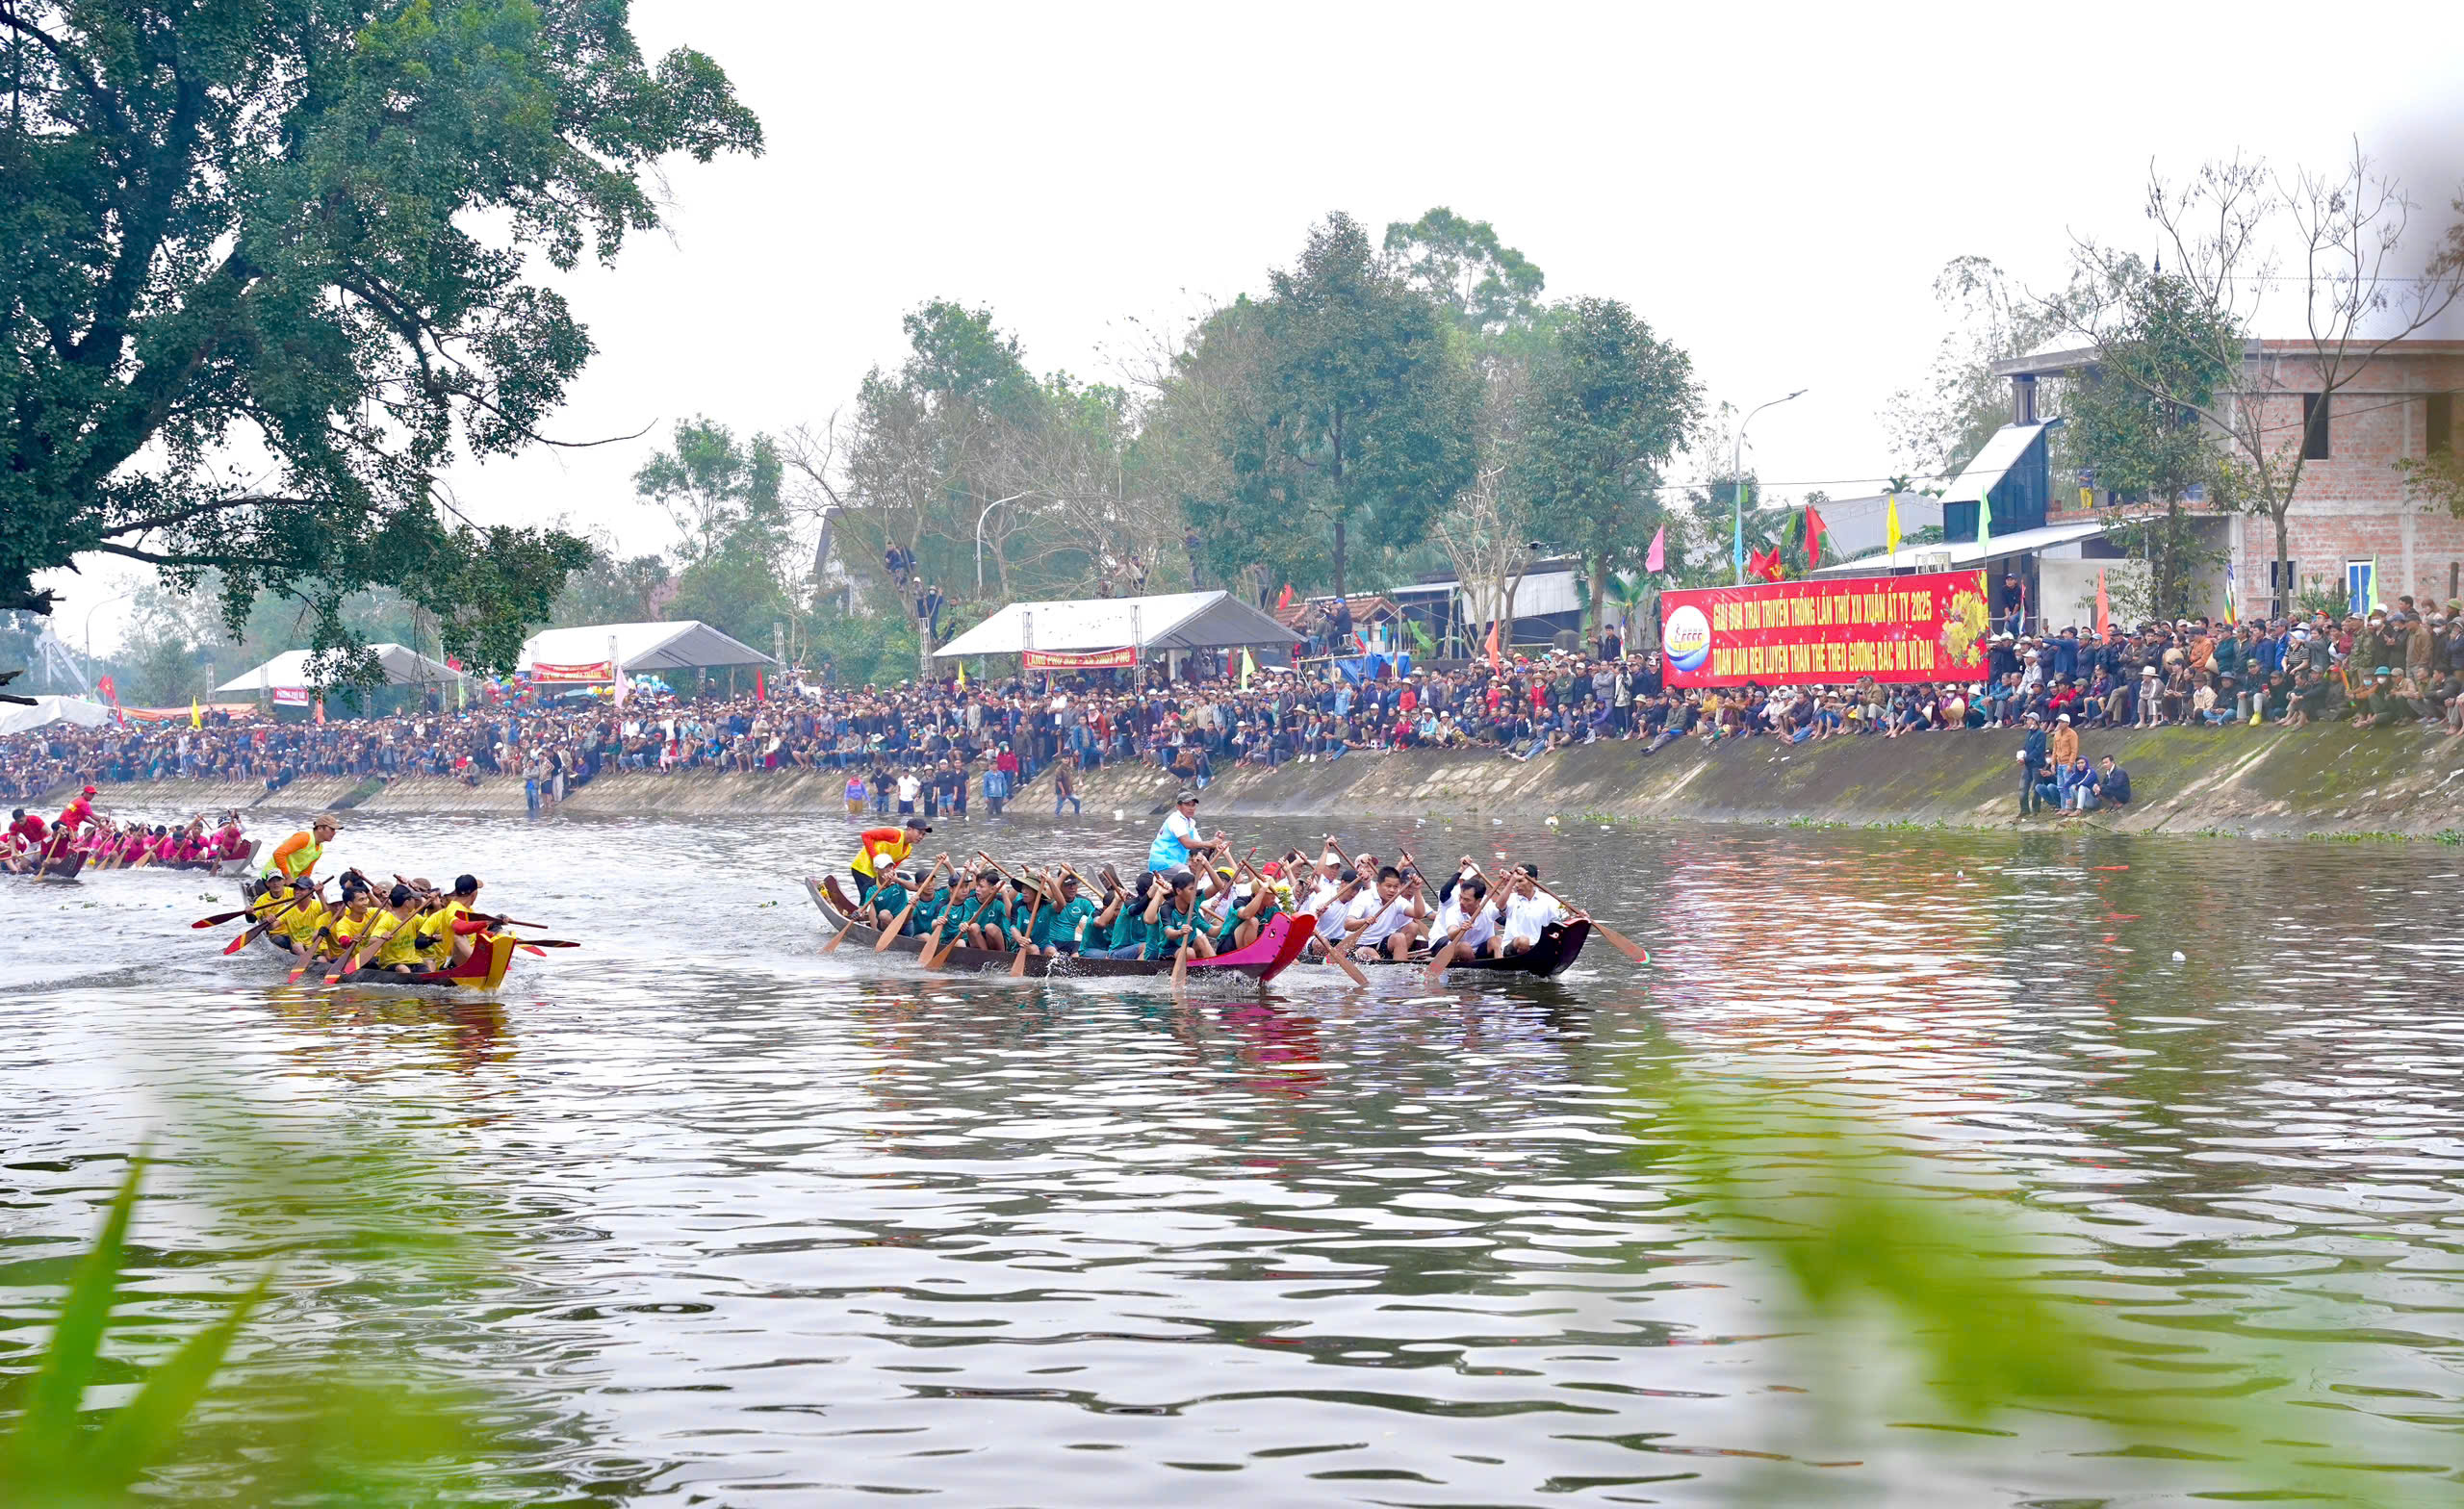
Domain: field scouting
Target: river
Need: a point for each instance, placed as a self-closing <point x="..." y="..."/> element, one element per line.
<point x="770" y="1227"/>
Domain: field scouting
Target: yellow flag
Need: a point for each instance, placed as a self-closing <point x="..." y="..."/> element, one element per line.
<point x="1891" y="523"/>
<point x="197" y="714"/>
<point x="1249" y="668"/>
<point x="961" y="675"/>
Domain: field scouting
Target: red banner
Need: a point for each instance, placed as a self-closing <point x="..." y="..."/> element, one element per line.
<point x="597" y="671"/>
<point x="291" y="697"/>
<point x="1793" y="634"/>
<point x="1083" y="660"/>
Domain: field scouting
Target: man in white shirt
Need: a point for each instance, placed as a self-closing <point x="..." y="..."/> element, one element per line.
<point x="909" y="789"/>
<point x="1382" y="920"/>
<point x="1474" y="927"/>
<point x="1528" y="910"/>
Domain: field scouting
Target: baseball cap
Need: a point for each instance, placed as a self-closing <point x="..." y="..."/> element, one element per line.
<point x="920" y="824"/>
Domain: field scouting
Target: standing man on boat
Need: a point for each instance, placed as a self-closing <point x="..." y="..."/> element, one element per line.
<point x="298" y="854"/>
<point x="1177" y="843"/>
<point x="79" y="811"/>
<point x="880" y="851"/>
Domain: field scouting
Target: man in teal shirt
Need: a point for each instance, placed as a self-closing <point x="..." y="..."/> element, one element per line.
<point x="1057" y="924"/>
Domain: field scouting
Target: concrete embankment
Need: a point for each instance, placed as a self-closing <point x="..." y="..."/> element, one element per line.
<point x="2316" y="782"/>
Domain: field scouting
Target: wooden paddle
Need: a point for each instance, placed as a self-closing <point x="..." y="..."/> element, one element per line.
<point x="267" y="926"/>
<point x="1018" y="965"/>
<point x="1616" y="939"/>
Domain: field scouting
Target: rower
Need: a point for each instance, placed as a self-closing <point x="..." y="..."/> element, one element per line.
<point x="1529" y="911"/>
<point x="79" y="811"/>
<point x="299" y="852"/>
<point x="882" y="850"/>
<point x="1178" y="841"/>
<point x="1466" y="923"/>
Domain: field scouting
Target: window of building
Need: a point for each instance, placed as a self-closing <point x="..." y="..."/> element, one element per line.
<point x="2360" y="585"/>
<point x="2314" y="426"/>
<point x="2439" y="432"/>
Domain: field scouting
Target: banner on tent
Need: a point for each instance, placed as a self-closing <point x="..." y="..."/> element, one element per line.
<point x="595" y="671"/>
<point x="1081" y="659"/>
<point x="1921" y="628"/>
<point x="291" y="697"/>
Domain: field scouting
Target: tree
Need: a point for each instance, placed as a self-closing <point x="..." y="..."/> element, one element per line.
<point x="2162" y="361"/>
<point x="1610" y="403"/>
<point x="2349" y="231"/>
<point x="1486" y="530"/>
<point x="922" y="454"/>
<point x="611" y="590"/>
<point x="1362" y="411"/>
<point x="1462" y="268"/>
<point x="264" y="278"/>
<point x="715" y="489"/>
<point x="1936" y="430"/>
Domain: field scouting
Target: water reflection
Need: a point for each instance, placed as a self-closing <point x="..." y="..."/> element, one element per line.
<point x="773" y="1222"/>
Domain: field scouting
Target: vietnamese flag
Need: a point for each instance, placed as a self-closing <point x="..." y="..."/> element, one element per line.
<point x="1815" y="527"/>
<point x="761" y="692"/>
<point x="1285" y="600"/>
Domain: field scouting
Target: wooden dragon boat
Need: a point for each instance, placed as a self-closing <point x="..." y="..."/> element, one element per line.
<point x="1275" y="951"/>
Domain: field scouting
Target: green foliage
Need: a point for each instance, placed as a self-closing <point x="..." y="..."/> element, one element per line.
<point x="1361" y="413"/>
<point x="860" y="651"/>
<point x="1900" y="1295"/>
<point x="292" y="1424"/>
<point x="1610" y="403"/>
<point x="718" y="492"/>
<point x="607" y="590"/>
<point x="2135" y="418"/>
<point x="2436" y="480"/>
<point x="299" y="228"/>
<point x="1483" y="285"/>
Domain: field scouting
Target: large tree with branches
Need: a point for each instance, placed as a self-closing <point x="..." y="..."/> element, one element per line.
<point x="265" y="280"/>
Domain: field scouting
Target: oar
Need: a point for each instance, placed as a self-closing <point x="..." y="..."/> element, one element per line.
<point x="1018" y="965"/>
<point x="263" y="928"/>
<point x="1616" y="939"/>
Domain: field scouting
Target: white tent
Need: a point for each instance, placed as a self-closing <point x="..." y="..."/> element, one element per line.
<point x="48" y="710"/>
<point x="685" y="645"/>
<point x="1173" y="620"/>
<point x="288" y="671"/>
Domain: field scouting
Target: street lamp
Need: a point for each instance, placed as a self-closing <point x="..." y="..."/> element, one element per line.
<point x="89" y="625"/>
<point x="979" y="535"/>
<point x="1737" y="473"/>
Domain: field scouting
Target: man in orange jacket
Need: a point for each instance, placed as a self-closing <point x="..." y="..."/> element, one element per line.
<point x="880" y="851"/>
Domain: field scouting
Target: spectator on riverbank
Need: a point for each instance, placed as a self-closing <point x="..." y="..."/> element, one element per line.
<point x="1527" y="707"/>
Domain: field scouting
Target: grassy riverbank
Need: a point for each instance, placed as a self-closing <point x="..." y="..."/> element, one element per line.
<point x="2333" y="781"/>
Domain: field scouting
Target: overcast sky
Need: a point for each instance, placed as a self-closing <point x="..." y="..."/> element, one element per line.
<point x="1773" y="188"/>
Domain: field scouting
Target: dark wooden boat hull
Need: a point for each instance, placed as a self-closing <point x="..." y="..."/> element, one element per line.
<point x="1553" y="955"/>
<point x="1275" y="951"/>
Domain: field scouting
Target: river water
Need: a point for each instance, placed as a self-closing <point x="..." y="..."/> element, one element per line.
<point x="771" y="1228"/>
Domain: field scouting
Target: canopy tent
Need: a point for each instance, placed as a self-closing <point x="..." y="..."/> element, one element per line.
<point x="288" y="672"/>
<point x="581" y="654"/>
<point x="48" y="710"/>
<point x="1172" y="621"/>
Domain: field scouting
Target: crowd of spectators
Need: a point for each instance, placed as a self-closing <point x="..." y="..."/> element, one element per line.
<point x="2401" y="665"/>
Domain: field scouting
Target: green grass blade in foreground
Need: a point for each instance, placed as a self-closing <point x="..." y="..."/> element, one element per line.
<point x="49" y="1432"/>
<point x="1872" y="1251"/>
<point x="140" y="1432"/>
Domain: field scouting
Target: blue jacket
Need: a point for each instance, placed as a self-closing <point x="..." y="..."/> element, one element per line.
<point x="2112" y="786"/>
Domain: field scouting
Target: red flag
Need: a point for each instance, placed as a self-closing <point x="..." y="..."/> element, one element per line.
<point x="1658" y="559"/>
<point x="1497" y="661"/>
<point x="2104" y="611"/>
<point x="1285" y="600"/>
<point x="1765" y="565"/>
<point x="1815" y="527"/>
<point x="760" y="691"/>
<point x="111" y="695"/>
<point x="454" y="662"/>
<point x="320" y="709"/>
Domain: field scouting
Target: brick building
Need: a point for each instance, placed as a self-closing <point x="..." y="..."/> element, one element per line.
<point x="2350" y="509"/>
